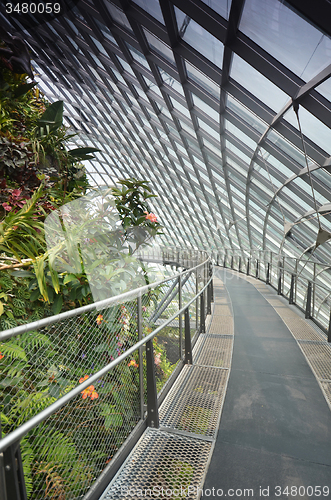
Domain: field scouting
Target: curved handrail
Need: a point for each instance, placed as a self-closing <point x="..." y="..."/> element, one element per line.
<point x="41" y="323"/>
<point x="22" y="430"/>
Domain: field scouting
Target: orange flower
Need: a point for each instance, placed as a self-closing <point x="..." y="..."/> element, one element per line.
<point x="89" y="391"/>
<point x="1" y="355"/>
<point x="99" y="319"/>
<point x="152" y="217"/>
<point x="94" y="395"/>
<point x="85" y="393"/>
<point x="133" y="363"/>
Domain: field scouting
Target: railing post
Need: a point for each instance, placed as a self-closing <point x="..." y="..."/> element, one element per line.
<point x="313" y="292"/>
<point x="197" y="299"/>
<point x="211" y="283"/>
<point x="225" y="256"/>
<point x="232" y="262"/>
<point x="267" y="279"/>
<point x="12" y="484"/>
<point x="291" y="298"/>
<point x="140" y="354"/>
<point x="283" y="277"/>
<point x="247" y="272"/>
<point x="180" y="316"/>
<point x="308" y="303"/>
<point x="329" y="330"/>
<point x="209" y="299"/>
<point x="257" y="269"/>
<point x="279" y="289"/>
<point x="239" y="264"/>
<point x="202" y="313"/>
<point x="188" y="345"/>
<point x="152" y="408"/>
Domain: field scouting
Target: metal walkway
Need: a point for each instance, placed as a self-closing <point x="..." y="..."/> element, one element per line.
<point x="274" y="438"/>
<point x="173" y="460"/>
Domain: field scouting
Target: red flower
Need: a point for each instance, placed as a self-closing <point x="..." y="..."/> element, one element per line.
<point x="6" y="206"/>
<point x="1" y="355"/>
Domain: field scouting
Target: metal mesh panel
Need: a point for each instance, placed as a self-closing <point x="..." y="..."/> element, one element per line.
<point x="161" y="460"/>
<point x="221" y="325"/>
<point x="69" y="450"/>
<point x="326" y="386"/>
<point x="167" y="341"/>
<point x="213" y="350"/>
<point x="194" y="403"/>
<point x="42" y="365"/>
<point x="319" y="356"/>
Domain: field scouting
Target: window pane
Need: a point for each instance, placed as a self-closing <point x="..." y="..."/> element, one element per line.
<point x="195" y="35"/>
<point x="288" y="37"/>
<point x="152" y="7"/>
<point x="257" y="84"/>
<point x="222" y="7"/>
<point x="159" y="47"/>
<point x="194" y="74"/>
<point x="244" y="113"/>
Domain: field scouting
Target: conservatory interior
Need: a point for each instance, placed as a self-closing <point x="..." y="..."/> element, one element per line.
<point x="165" y="237"/>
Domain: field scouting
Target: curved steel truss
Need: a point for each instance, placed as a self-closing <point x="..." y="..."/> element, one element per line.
<point x="197" y="97"/>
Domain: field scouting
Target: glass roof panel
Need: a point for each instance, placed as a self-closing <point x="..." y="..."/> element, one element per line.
<point x="247" y="115"/>
<point x="118" y="15"/>
<point x="257" y="84"/>
<point x="311" y="127"/>
<point x="281" y="31"/>
<point x="152" y="7"/>
<point x="200" y="39"/>
<point x="222" y="7"/>
<point x="158" y="46"/>
<point x="206" y="83"/>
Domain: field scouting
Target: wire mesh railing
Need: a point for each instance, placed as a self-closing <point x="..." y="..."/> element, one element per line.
<point x="74" y="386"/>
<point x="304" y="282"/>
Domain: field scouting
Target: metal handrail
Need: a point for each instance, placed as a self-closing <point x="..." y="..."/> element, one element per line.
<point x="41" y="323"/>
<point x="22" y="430"/>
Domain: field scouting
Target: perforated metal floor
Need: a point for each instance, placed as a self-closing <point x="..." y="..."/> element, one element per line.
<point x="159" y="466"/>
<point x="177" y="455"/>
<point x="319" y="356"/>
<point x="213" y="350"/>
<point x="194" y="403"/>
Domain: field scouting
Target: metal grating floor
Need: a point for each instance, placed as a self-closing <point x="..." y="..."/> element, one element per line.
<point x="319" y="356"/>
<point x="178" y="454"/>
<point x="222" y="325"/>
<point x="194" y="403"/>
<point x="326" y="386"/>
<point x="222" y="310"/>
<point x="161" y="460"/>
<point x="213" y="350"/>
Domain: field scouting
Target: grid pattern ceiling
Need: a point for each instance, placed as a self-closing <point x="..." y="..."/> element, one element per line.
<point x="197" y="97"/>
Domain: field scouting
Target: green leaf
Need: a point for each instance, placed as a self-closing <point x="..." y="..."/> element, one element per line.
<point x="113" y="420"/>
<point x="1" y="308"/>
<point x="58" y="302"/>
<point x="53" y="116"/>
<point x="80" y="152"/>
<point x="23" y="89"/>
<point x="70" y="277"/>
<point x="35" y="295"/>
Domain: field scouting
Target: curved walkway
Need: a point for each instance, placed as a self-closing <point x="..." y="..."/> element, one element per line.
<point x="275" y="431"/>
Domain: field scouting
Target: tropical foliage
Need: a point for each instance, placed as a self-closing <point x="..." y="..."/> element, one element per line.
<point x="39" y="174"/>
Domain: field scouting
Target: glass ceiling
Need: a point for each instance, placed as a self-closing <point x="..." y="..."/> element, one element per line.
<point x="197" y="97"/>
